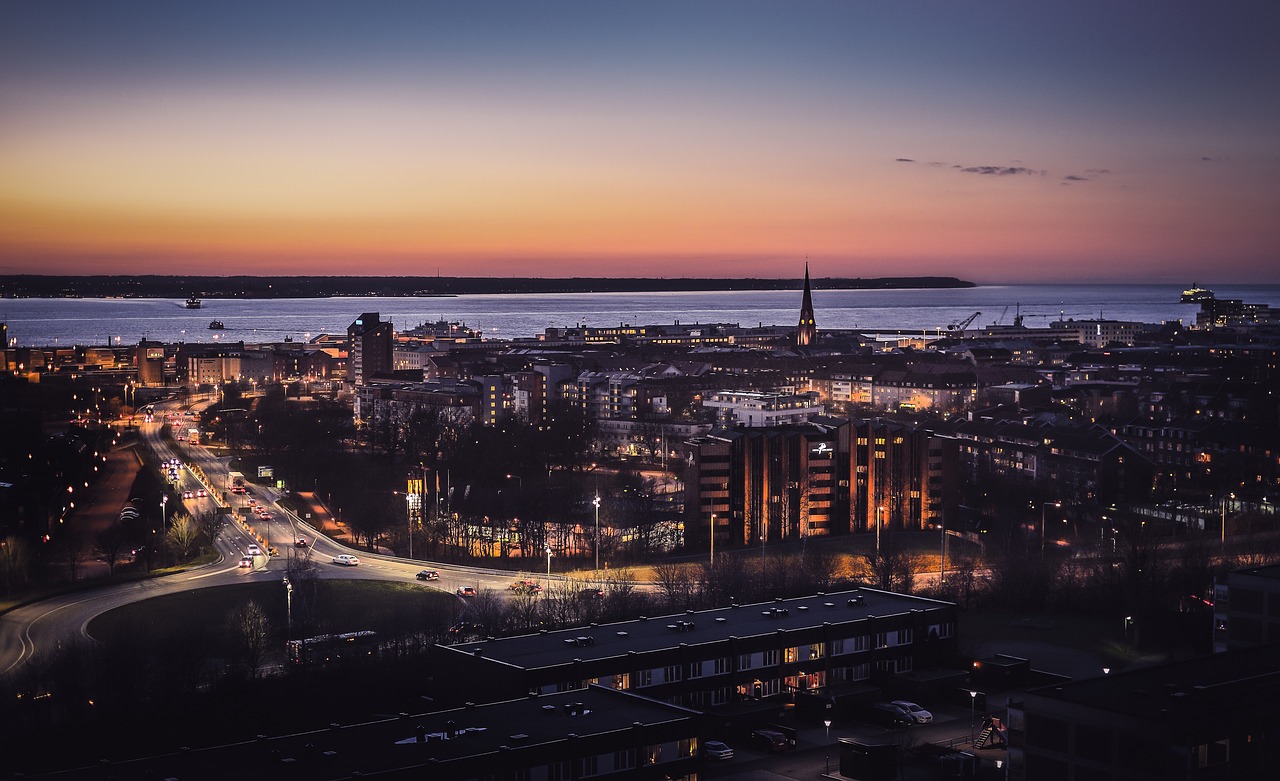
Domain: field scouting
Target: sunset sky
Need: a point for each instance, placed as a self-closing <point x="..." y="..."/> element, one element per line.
<point x="994" y="141"/>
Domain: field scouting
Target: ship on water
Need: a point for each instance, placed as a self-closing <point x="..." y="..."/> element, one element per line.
<point x="216" y="325"/>
<point x="1195" y="294"/>
<point x="194" y="303"/>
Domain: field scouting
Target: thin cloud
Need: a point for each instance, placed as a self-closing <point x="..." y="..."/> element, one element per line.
<point x="1000" y="170"/>
<point x="1074" y="178"/>
<point x="904" y="160"/>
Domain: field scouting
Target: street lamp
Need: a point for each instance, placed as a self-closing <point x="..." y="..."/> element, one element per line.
<point x="288" y="589"/>
<point x="596" y="502"/>
<point x="879" y="510"/>
<point x="164" y="502"/>
<point x="1043" y="506"/>
<point x="713" y="539"/>
<point x="548" y="562"/>
<point x="827" y="723"/>
<point x="973" y="700"/>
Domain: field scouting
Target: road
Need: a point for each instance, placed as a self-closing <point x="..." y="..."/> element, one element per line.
<point x="29" y="629"/>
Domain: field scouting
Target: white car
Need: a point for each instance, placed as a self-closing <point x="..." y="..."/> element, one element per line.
<point x="346" y="560"/>
<point x="714" y="749"/>
<point x="920" y="715"/>
<point x="254" y="550"/>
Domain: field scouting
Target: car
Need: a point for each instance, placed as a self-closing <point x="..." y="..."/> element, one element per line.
<point x="466" y="629"/>
<point x="254" y="550"/>
<point x="346" y="560"/>
<point x="428" y="574"/>
<point x="246" y="561"/>
<point x="769" y="741"/>
<point x="714" y="749"/>
<point x="188" y="495"/>
<point x="886" y="714"/>
<point x="466" y="591"/>
<point x="200" y="492"/>
<point x="526" y="587"/>
<point x="918" y="714"/>
<point x="252" y="502"/>
<point x="591" y="593"/>
<point x="301" y="542"/>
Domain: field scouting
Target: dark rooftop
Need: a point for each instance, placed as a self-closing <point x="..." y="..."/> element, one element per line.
<point x="407" y="741"/>
<point x="694" y="627"/>
<point x="1182" y="692"/>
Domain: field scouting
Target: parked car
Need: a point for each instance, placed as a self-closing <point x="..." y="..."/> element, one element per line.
<point x="466" y="591"/>
<point x="714" y="749"/>
<point x="918" y="714"/>
<point x="254" y="550"/>
<point x="427" y="574"/>
<point x="769" y="741"/>
<point x="346" y="560"/>
<point x="886" y="714"/>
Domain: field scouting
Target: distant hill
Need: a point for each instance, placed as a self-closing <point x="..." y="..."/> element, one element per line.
<point x="34" y="286"/>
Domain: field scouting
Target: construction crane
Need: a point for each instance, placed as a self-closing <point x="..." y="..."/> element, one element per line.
<point x="957" y="327"/>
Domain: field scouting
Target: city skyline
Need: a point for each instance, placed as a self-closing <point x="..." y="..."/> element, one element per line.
<point x="996" y="142"/>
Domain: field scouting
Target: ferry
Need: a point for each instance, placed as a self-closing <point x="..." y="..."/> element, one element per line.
<point x="216" y="325"/>
<point x="193" y="303"/>
<point x="1195" y="294"/>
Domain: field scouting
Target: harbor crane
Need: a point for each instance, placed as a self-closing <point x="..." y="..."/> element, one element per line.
<point x="957" y="327"/>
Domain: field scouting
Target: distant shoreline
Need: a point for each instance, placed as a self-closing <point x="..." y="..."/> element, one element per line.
<point x="36" y="286"/>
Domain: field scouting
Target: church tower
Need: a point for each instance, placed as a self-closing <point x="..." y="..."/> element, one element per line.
<point x="807" y="329"/>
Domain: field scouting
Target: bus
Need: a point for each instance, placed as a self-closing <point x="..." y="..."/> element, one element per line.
<point x="327" y="649"/>
<point x="236" y="481"/>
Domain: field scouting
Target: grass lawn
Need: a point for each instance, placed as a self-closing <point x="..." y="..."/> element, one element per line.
<point x="337" y="606"/>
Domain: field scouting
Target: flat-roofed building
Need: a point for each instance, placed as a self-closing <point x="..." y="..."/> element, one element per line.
<point x="703" y="659"/>
<point x="591" y="733"/>
<point x="1211" y="717"/>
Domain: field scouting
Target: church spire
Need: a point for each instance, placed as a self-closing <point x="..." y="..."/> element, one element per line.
<point x="807" y="329"/>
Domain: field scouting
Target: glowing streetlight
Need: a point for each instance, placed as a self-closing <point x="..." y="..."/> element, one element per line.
<point x="1043" y="506"/>
<point x="827" y="723"/>
<point x="713" y="539"/>
<point x="596" y="502"/>
<point x="288" y="589"/>
<point x="548" y="562"/>
<point x="973" y="700"/>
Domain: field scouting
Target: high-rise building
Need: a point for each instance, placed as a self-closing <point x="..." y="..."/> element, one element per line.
<point x="808" y="328"/>
<point x="368" y="347"/>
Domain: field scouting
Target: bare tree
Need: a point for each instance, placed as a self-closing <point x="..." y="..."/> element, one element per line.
<point x="73" y="554"/>
<point x="677" y="583"/>
<point x="250" y="632"/>
<point x="109" y="543"/>
<point x="892" y="567"/>
<point x="15" y="563"/>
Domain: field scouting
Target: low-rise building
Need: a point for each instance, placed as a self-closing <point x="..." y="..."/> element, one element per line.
<point x="703" y="659"/>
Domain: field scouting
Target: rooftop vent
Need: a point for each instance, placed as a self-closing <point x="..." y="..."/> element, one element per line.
<point x="857" y="601"/>
<point x="622" y="634"/>
<point x="828" y="604"/>
<point x="804" y="607"/>
<point x="721" y="620"/>
<point x="548" y="707"/>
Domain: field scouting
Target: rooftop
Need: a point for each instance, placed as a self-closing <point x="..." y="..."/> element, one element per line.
<point x="409" y="741"/>
<point x="695" y="627"/>
<point x="1183" y="692"/>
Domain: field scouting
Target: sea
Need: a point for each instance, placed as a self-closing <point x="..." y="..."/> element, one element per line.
<point x="102" y="321"/>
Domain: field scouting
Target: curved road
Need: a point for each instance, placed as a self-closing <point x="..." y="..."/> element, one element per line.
<point x="28" y="629"/>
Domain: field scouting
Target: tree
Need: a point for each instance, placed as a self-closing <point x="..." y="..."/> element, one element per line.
<point x="73" y="554"/>
<point x="183" y="535"/>
<point x="109" y="543"/>
<point x="250" y="632"/>
<point x="893" y="567"/>
<point x="15" y="563"/>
